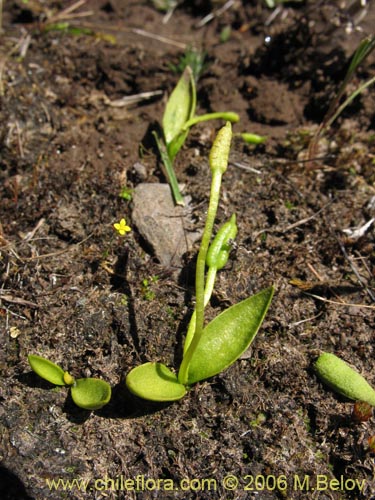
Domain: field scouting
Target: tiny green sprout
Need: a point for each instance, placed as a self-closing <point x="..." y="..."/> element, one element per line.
<point x="126" y="193"/>
<point x="340" y="377"/>
<point x="87" y="393"/>
<point x="194" y="58"/>
<point x="164" y="5"/>
<point x="121" y="227"/>
<point x="208" y="349"/>
<point x="225" y="33"/>
<point x="179" y="116"/>
<point x="147" y="292"/>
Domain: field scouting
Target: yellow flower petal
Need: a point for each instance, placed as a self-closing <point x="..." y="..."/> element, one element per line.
<point x="121" y="227"/>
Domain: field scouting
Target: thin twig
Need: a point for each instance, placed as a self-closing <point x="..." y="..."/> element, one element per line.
<point x="347" y="304"/>
<point x="69" y="13"/>
<point x="243" y="166"/>
<point x="306" y="320"/>
<point x="355" y="270"/>
<point x="133" y="99"/>
<point x="215" y="13"/>
<point x="17" y="300"/>
<point x="162" y="39"/>
<point x="294" y="225"/>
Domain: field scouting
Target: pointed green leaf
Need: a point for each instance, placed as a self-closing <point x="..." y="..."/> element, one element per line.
<point x="91" y="393"/>
<point x="228" y="336"/>
<point x="46" y="369"/>
<point x="155" y="382"/>
<point x="180" y="106"/>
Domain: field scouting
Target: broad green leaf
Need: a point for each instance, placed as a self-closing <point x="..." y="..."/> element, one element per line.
<point x="228" y="336"/>
<point x="46" y="369"/>
<point x="180" y="107"/>
<point x="155" y="382"/>
<point x="91" y="393"/>
<point x="340" y="377"/>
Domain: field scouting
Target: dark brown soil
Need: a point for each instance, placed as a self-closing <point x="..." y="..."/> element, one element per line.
<point x="73" y="291"/>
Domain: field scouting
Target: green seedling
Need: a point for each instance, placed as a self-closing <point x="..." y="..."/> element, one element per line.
<point x="87" y="393"/>
<point x="364" y="49"/>
<point x="179" y="116"/>
<point x="126" y="193"/>
<point x="195" y="59"/>
<point x="147" y="292"/>
<point x="68" y="29"/>
<point x="209" y="349"/>
<point x="225" y="33"/>
<point x="340" y="377"/>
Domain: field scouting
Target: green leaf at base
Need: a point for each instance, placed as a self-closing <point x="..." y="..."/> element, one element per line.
<point x="91" y="393"/>
<point x="228" y="336"/>
<point x="155" y="382"/>
<point x="46" y="369"/>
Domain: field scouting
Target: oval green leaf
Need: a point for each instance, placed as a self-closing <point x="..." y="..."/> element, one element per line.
<point x="180" y="107"/>
<point x="46" y="369"/>
<point x="91" y="393"/>
<point x="228" y="336"/>
<point x="340" y="377"/>
<point x="155" y="382"/>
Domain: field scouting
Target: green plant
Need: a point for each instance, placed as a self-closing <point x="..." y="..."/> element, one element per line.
<point x="364" y="49"/>
<point x="179" y="116"/>
<point x="147" y="292"/>
<point x="195" y="59"/>
<point x="126" y="193"/>
<point x="164" y="5"/>
<point x="209" y="349"/>
<point x="340" y="377"/>
<point x="87" y="393"/>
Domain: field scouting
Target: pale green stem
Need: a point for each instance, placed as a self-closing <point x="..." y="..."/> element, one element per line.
<point x="199" y="276"/>
<point x="224" y="115"/>
<point x="169" y="171"/>
<point x="209" y="287"/>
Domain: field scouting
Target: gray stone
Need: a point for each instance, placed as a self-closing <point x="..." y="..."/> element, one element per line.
<point x="164" y="225"/>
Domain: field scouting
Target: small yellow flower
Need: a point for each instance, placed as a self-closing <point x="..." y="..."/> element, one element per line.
<point x="121" y="227"/>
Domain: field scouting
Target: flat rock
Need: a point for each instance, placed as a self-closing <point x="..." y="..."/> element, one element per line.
<point x="164" y="225"/>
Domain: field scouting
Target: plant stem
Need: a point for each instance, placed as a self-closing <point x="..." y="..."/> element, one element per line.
<point x="199" y="277"/>
<point x="210" y="281"/>
<point x="219" y="155"/>
<point x="224" y="115"/>
<point x="169" y="171"/>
